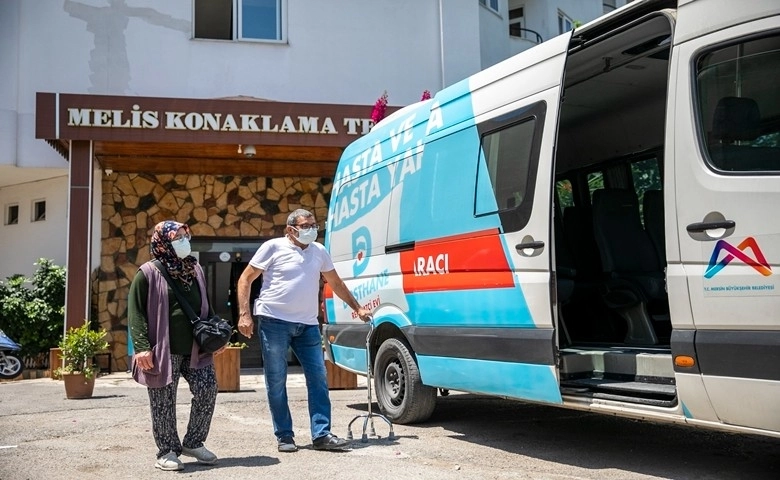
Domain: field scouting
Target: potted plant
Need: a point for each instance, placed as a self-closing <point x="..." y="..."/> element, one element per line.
<point x="228" y="367"/>
<point x="78" y="349"/>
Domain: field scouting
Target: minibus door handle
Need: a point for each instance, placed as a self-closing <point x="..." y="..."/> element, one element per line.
<point x="529" y="248"/>
<point x="704" y="226"/>
<point x="399" y="247"/>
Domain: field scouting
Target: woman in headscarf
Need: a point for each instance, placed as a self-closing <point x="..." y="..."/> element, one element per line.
<point x="164" y="346"/>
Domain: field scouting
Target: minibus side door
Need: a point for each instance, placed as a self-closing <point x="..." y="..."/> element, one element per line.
<point x="517" y="149"/>
<point x="725" y="189"/>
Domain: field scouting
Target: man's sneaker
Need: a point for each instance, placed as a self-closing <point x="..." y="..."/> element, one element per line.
<point x="287" y="445"/>
<point x="330" y="442"/>
<point x="169" y="461"/>
<point x="201" y="454"/>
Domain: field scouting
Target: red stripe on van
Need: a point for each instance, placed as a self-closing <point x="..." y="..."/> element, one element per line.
<point x="463" y="262"/>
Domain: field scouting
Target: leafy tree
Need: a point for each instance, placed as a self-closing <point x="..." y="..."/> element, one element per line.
<point x="32" y="311"/>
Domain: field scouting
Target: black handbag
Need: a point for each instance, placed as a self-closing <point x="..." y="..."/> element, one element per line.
<point x="210" y="333"/>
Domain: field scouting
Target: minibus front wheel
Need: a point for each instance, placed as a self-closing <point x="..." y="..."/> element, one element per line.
<point x="400" y="393"/>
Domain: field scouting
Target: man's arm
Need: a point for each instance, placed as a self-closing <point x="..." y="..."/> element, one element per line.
<point x="243" y="291"/>
<point x="340" y="289"/>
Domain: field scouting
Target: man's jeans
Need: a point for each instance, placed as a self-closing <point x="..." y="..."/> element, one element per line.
<point x="276" y="337"/>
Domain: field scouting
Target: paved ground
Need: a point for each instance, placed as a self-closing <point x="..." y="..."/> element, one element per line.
<point x="44" y="436"/>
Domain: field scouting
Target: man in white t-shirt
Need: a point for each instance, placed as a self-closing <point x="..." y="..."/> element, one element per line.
<point x="287" y="310"/>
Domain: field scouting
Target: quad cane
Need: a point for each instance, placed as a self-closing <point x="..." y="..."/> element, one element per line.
<point x="368" y="418"/>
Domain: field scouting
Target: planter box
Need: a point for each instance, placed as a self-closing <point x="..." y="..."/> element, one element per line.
<point x="338" y="378"/>
<point x="55" y="362"/>
<point x="228" y="367"/>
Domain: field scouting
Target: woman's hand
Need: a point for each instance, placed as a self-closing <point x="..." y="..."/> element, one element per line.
<point x="144" y="360"/>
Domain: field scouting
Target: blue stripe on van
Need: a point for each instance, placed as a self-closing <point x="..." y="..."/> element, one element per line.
<point x="516" y="380"/>
<point x="350" y="358"/>
<point x="476" y="308"/>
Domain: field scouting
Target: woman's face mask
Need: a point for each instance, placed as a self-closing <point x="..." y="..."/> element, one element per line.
<point x="181" y="247"/>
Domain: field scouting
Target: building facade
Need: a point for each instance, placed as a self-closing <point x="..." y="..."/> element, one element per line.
<point x="83" y="183"/>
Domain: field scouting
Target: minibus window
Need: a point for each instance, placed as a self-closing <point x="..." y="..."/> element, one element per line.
<point x="646" y="176"/>
<point x="565" y="193"/>
<point x="507" y="154"/>
<point x="739" y="105"/>
<point x="508" y="160"/>
<point x="595" y="182"/>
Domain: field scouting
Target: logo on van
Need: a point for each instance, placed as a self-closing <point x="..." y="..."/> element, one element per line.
<point x="361" y="244"/>
<point x="759" y="263"/>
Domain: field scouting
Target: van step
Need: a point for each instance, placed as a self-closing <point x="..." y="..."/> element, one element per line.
<point x="663" y="395"/>
<point x="609" y="385"/>
<point x="612" y="362"/>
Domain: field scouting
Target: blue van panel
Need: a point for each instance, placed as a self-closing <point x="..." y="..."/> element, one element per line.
<point x="471" y="308"/>
<point x="516" y="380"/>
<point x="350" y="358"/>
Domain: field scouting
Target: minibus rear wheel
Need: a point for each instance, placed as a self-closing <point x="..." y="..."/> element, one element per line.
<point x="400" y="393"/>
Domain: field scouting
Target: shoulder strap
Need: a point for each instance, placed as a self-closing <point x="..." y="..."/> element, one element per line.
<point x="179" y="295"/>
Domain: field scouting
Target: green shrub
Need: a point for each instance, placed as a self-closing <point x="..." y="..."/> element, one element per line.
<point x="79" y="346"/>
<point x="32" y="311"/>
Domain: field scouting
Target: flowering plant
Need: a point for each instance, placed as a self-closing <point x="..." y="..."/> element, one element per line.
<point x="380" y="108"/>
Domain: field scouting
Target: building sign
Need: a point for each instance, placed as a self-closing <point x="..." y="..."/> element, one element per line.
<point x="149" y="119"/>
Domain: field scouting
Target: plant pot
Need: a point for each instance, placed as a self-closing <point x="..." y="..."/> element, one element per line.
<point x="338" y="378"/>
<point x="55" y="361"/>
<point x="78" y="386"/>
<point x="228" y="367"/>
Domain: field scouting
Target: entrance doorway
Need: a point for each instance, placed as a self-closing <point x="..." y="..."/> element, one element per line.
<point x="223" y="261"/>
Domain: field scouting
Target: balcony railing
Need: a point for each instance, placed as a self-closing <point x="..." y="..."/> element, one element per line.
<point x="524" y="33"/>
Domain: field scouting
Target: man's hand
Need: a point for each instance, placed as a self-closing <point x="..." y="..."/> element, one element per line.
<point x="220" y="350"/>
<point x="246" y="325"/>
<point x="364" y="314"/>
<point x="144" y="360"/>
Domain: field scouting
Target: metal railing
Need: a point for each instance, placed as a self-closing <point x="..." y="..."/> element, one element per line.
<point x="525" y="33"/>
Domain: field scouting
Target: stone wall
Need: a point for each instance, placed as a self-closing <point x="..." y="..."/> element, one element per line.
<point x="213" y="206"/>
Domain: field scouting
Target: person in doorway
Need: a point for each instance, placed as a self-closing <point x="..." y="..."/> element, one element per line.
<point x="287" y="311"/>
<point x="165" y="349"/>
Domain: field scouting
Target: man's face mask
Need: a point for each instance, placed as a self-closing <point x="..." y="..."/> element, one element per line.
<point x="307" y="235"/>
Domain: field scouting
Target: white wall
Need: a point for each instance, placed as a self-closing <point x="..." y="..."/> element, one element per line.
<point x="116" y="47"/>
<point x="494" y="34"/>
<point x="23" y="244"/>
<point x="9" y="13"/>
